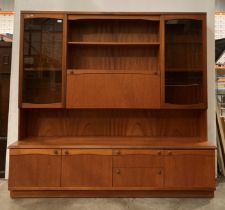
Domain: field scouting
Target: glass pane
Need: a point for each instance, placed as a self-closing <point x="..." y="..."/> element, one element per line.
<point x="42" y="77"/>
<point x="183" y="62"/>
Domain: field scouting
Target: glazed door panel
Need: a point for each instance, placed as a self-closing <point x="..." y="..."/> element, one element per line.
<point x="42" y="61"/>
<point x="185" y="61"/>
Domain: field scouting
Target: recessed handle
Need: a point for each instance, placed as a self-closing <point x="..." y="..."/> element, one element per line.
<point x="118" y="152"/>
<point x="5" y="59"/>
<point x="67" y="152"/>
<point x="159" y="172"/>
<point x="170" y="153"/>
<point x="56" y="152"/>
<point x="159" y="153"/>
<point x="118" y="171"/>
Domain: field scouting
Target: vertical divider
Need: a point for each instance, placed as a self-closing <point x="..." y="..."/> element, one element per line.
<point x="64" y="61"/>
<point x="162" y="60"/>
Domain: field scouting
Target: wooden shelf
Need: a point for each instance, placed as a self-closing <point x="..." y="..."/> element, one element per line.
<point x="42" y="69"/>
<point x="116" y="43"/>
<point x="112" y="142"/>
<point x="50" y="105"/>
<point x="183" y="69"/>
<point x="96" y="71"/>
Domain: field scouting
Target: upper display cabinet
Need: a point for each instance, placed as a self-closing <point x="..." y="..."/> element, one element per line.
<point x="42" y="61"/>
<point x="185" y="62"/>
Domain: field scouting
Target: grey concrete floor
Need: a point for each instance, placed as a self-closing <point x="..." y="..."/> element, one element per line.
<point x="216" y="203"/>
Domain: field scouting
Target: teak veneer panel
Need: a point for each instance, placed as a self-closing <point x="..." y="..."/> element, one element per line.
<point x="114" y="142"/>
<point x="113" y="91"/>
<point x="104" y="30"/>
<point x="138" y="177"/>
<point x="138" y="158"/>
<point x="86" y="170"/>
<point x="111" y="122"/>
<point x="34" y="168"/>
<point x="190" y="169"/>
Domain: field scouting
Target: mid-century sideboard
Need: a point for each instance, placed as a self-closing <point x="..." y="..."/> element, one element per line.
<point x="112" y="105"/>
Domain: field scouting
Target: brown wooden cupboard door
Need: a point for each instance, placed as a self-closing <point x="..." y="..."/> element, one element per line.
<point x="112" y="90"/>
<point x="190" y="169"/>
<point x="34" y="168"/>
<point x="86" y="168"/>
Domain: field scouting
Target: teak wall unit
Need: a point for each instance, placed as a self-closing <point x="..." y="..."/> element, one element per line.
<point x="112" y="105"/>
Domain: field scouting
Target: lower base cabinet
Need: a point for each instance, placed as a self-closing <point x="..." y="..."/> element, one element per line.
<point x="110" y="169"/>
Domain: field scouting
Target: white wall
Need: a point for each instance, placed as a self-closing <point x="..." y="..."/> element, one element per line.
<point x="113" y="5"/>
<point x="7" y="5"/>
<point x="220" y="5"/>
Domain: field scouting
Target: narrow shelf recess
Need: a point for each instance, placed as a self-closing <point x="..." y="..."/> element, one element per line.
<point x="95" y="71"/>
<point x="49" y="105"/>
<point x="183" y="85"/>
<point x="183" y="69"/>
<point x="114" y="43"/>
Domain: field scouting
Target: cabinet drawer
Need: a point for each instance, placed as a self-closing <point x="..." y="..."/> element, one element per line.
<point x="138" y="177"/>
<point x="138" y="158"/>
<point x="112" y="90"/>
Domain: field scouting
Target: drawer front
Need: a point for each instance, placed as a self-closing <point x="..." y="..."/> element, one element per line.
<point x="138" y="158"/>
<point x="113" y="90"/>
<point x="138" y="177"/>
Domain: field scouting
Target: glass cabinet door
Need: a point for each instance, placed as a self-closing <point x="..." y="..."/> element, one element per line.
<point x="42" y="61"/>
<point x="184" y="64"/>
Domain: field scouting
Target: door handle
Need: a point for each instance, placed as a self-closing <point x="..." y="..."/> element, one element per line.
<point x="5" y="59"/>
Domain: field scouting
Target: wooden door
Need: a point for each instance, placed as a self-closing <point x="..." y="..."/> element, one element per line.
<point x="86" y="168"/>
<point x="112" y="90"/>
<point x="138" y="168"/>
<point x="36" y="168"/>
<point x="190" y="169"/>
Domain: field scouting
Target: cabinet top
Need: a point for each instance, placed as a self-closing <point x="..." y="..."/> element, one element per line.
<point x="114" y="13"/>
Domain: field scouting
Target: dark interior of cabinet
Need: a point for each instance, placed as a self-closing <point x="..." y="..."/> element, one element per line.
<point x="113" y="30"/>
<point x="111" y="123"/>
<point x="113" y="57"/>
<point x="183" y="62"/>
<point x="183" y="87"/>
<point x="42" y="75"/>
